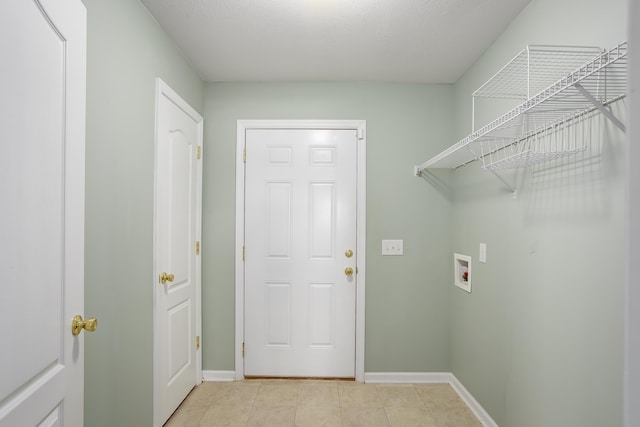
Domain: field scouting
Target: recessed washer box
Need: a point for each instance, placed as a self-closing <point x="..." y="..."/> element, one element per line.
<point x="462" y="271"/>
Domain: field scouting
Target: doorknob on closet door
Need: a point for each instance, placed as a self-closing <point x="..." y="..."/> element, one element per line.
<point x="348" y="271"/>
<point x="77" y="324"/>
<point x="164" y="278"/>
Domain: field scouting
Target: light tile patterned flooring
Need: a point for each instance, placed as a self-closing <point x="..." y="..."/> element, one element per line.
<point x="322" y="403"/>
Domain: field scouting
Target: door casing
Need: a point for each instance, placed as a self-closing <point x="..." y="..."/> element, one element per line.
<point x="360" y="127"/>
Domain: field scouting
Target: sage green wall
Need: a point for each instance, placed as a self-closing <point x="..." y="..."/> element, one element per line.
<point x="539" y="341"/>
<point x="127" y="50"/>
<point x="407" y="298"/>
<point x="632" y="296"/>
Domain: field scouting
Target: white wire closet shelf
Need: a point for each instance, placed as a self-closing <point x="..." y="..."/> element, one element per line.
<point x="532" y="70"/>
<point x="528" y="128"/>
<point x="535" y="68"/>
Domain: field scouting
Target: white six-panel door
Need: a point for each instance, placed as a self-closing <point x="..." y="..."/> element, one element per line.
<point x="42" y="116"/>
<point x="177" y="260"/>
<point x="300" y="259"/>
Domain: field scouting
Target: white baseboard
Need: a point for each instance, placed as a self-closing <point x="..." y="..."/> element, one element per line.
<point x="472" y="403"/>
<point x="433" y="378"/>
<point x="218" y="375"/>
<point x="407" y="377"/>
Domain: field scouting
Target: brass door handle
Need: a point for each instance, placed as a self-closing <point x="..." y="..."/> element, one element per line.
<point x="164" y="278"/>
<point x="348" y="271"/>
<point x="348" y="253"/>
<point x="77" y="324"/>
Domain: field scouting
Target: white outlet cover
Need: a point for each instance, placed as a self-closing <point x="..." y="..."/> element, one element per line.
<point x="392" y="247"/>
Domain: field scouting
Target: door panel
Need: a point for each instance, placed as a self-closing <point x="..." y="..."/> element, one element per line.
<point x="42" y="229"/>
<point x="300" y="218"/>
<point x="321" y="309"/>
<point x="177" y="229"/>
<point x="322" y="220"/>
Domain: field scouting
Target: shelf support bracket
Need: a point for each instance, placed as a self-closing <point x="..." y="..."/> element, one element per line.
<point x="509" y="186"/>
<point x="600" y="107"/>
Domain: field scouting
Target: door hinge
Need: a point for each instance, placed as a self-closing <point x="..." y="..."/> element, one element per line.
<point x="244" y="155"/>
<point x="198" y="153"/>
<point x="243" y="253"/>
<point x="197" y="248"/>
<point x="197" y="343"/>
<point x="242" y="349"/>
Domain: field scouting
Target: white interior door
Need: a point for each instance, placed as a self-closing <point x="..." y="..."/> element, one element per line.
<point x="42" y="116"/>
<point x="300" y="260"/>
<point x="177" y="260"/>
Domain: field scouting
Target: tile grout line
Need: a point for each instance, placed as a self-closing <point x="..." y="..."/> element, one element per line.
<point x="253" y="405"/>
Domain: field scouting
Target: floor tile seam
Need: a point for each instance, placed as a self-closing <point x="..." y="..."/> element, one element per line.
<point x="433" y="418"/>
<point x="325" y="407"/>
<point x="253" y="404"/>
<point x="202" y="416"/>
<point x="412" y="386"/>
<point x="386" y="415"/>
<point x="200" y="410"/>
<point x="424" y="402"/>
<point x="361" y="407"/>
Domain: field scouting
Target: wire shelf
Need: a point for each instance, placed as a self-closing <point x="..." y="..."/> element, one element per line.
<point x="571" y="136"/>
<point x="535" y="68"/>
<point x="599" y="82"/>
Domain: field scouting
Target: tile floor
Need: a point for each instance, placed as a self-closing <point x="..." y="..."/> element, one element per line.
<point x="322" y="403"/>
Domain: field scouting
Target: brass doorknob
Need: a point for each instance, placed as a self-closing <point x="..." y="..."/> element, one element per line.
<point x="348" y="253"/>
<point x="348" y="271"/>
<point x="77" y="324"/>
<point x="164" y="278"/>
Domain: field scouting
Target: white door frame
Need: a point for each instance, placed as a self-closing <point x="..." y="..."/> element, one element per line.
<point x="360" y="127"/>
<point x="163" y="89"/>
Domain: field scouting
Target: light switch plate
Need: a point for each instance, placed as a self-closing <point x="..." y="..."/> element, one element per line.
<point x="482" y="256"/>
<point x="392" y="247"/>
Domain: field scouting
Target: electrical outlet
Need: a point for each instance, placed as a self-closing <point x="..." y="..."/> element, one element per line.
<point x="392" y="247"/>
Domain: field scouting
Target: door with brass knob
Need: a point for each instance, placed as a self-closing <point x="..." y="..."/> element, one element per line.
<point x="78" y="324"/>
<point x="300" y="265"/>
<point x="177" y="245"/>
<point x="42" y="231"/>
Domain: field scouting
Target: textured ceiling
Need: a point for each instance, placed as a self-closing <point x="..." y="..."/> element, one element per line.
<point x="431" y="41"/>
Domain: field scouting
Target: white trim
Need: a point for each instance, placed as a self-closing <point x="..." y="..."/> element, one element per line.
<point x="407" y="377"/>
<point x="217" y="376"/>
<point x="361" y="246"/>
<point x="163" y="88"/>
<point x="472" y="403"/>
<point x="199" y="256"/>
<point x="360" y="127"/>
<point x="434" y="378"/>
